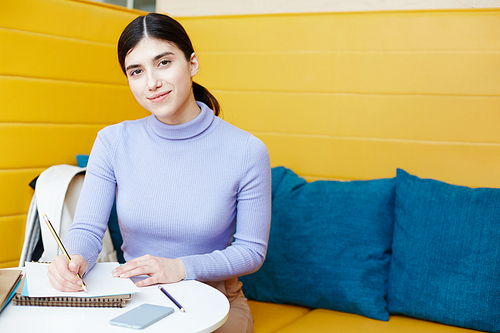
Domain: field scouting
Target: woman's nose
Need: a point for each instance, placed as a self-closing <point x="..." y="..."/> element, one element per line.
<point x="153" y="82"/>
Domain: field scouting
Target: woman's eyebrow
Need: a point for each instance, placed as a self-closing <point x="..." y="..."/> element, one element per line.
<point x="159" y="56"/>
<point x="131" y="67"/>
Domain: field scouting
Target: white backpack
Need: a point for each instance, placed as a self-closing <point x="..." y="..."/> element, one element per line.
<point x="56" y="194"/>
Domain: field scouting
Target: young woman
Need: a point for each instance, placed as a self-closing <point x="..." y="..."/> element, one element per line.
<point x="192" y="191"/>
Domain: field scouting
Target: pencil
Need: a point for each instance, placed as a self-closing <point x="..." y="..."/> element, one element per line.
<point x="171" y="298"/>
<point x="61" y="246"/>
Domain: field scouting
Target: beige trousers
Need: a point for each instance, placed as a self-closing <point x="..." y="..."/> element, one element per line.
<point x="240" y="319"/>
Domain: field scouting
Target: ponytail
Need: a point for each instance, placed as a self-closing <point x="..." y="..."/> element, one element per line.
<point x="202" y="94"/>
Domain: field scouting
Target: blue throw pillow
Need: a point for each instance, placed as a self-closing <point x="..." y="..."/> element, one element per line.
<point x="329" y="245"/>
<point x="446" y="253"/>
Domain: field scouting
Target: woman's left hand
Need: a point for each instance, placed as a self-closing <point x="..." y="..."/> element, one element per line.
<point x="160" y="270"/>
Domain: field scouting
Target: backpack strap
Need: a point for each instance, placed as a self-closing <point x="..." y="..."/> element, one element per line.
<point x="31" y="233"/>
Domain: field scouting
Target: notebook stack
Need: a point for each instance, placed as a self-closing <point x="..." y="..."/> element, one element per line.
<point x="40" y="293"/>
<point x="116" y="301"/>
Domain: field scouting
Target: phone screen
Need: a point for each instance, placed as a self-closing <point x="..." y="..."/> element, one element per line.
<point x="142" y="316"/>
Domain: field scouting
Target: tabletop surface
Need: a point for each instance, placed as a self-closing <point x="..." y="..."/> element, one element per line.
<point x="206" y="310"/>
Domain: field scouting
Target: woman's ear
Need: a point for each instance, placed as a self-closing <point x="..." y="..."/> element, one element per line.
<point x="193" y="62"/>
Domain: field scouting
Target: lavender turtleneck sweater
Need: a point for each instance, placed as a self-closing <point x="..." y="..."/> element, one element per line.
<point x="198" y="191"/>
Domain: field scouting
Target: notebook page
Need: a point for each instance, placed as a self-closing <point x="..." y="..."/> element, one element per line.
<point x="99" y="281"/>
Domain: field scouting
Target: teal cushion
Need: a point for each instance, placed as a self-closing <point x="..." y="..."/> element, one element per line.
<point x="329" y="245"/>
<point x="446" y="253"/>
<point x="82" y="160"/>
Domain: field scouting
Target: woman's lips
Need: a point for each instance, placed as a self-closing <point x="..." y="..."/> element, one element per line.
<point x="156" y="98"/>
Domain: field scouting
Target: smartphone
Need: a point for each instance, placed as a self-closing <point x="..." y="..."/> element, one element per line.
<point x="142" y="316"/>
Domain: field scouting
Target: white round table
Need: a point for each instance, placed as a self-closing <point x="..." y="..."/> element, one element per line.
<point x="206" y="310"/>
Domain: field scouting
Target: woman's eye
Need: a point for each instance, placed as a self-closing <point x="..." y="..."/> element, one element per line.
<point x="135" y="72"/>
<point x="164" y="62"/>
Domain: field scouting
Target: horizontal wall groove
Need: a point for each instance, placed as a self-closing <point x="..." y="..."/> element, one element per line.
<point x="37" y="168"/>
<point x="316" y="177"/>
<point x="57" y="80"/>
<point x="331" y="52"/>
<point x="344" y="93"/>
<point x="21" y="170"/>
<point x="12" y="216"/>
<point x="72" y="39"/>
<point x="61" y="125"/>
<point x="54" y="80"/>
<point x="354" y="138"/>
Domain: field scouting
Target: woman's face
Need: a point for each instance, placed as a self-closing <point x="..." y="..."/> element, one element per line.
<point x="160" y="78"/>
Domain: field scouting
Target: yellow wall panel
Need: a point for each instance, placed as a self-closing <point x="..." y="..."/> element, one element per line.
<point x="36" y="146"/>
<point x="16" y="200"/>
<point x="29" y="54"/>
<point x="412" y="117"/>
<point x="13" y="263"/>
<point x="60" y="83"/>
<point x="11" y="239"/>
<point x="473" y="165"/>
<point x="395" y="73"/>
<point x="52" y="101"/>
<point x="368" y="31"/>
<point x="66" y="18"/>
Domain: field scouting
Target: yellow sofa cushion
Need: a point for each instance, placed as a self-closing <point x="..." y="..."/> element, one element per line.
<point x="269" y="317"/>
<point x="280" y="318"/>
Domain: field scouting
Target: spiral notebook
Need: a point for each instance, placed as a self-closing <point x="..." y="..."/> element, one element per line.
<point x="104" y="290"/>
<point x="115" y="301"/>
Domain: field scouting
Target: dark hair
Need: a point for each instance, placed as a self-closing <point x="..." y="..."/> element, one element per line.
<point x="162" y="27"/>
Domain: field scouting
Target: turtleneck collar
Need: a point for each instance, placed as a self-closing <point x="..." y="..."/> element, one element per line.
<point x="184" y="131"/>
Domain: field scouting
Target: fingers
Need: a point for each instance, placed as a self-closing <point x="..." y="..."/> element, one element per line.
<point x="134" y="271"/>
<point x="134" y="267"/>
<point x="147" y="282"/>
<point x="160" y="270"/>
<point x="64" y="279"/>
<point x="65" y="285"/>
<point x="78" y="265"/>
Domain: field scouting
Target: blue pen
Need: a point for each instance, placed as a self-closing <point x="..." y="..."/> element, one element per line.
<point x="171" y="298"/>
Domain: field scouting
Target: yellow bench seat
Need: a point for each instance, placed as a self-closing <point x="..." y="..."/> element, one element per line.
<point x="283" y="318"/>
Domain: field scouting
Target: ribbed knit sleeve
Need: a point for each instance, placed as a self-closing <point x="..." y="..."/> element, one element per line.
<point x="96" y="200"/>
<point x="253" y="218"/>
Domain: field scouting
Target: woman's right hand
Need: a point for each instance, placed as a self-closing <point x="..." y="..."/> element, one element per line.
<point x="62" y="273"/>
